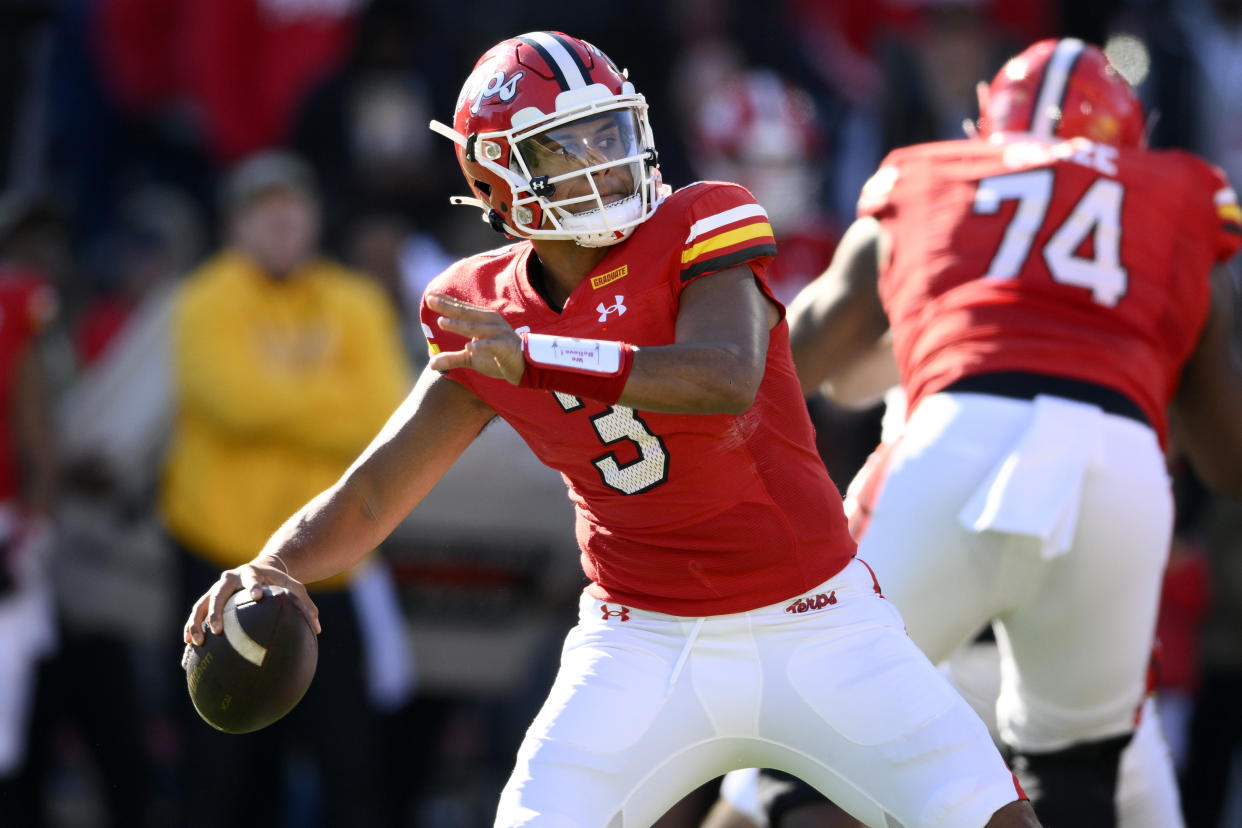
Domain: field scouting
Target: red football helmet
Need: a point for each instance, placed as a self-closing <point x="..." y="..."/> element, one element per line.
<point x="1062" y="89"/>
<point x="555" y="142"/>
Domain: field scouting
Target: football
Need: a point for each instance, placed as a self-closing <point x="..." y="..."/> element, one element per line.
<point x="258" y="669"/>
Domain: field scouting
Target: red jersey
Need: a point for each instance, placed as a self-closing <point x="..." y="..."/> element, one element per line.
<point x="1074" y="259"/>
<point x="686" y="514"/>
<point x="27" y="305"/>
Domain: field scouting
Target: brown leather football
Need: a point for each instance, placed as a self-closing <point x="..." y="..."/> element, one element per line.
<point x="258" y="669"/>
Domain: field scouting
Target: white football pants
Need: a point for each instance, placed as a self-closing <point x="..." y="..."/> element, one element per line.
<point x="646" y="707"/>
<point x="1049" y="516"/>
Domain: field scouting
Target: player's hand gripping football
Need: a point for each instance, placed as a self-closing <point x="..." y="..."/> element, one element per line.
<point x="250" y="577"/>
<point x="494" y="349"/>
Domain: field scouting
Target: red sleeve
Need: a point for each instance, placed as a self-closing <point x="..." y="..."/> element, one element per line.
<point x="727" y="227"/>
<point x="437" y="340"/>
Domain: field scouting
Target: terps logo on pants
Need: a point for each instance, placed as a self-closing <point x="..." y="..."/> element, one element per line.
<point x="807" y="604"/>
<point x="621" y="612"/>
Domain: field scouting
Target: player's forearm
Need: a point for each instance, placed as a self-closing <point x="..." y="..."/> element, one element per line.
<point x="837" y="319"/>
<point x="327" y="536"/>
<point x="413" y="450"/>
<point x="864" y="381"/>
<point x="693" y="379"/>
<point x="830" y="335"/>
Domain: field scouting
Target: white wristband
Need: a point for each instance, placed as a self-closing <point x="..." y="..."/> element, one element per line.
<point x="596" y="356"/>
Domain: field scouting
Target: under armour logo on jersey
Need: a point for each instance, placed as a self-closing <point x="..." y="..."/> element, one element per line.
<point x="604" y="310"/>
<point x="622" y="612"/>
<point x="807" y="604"/>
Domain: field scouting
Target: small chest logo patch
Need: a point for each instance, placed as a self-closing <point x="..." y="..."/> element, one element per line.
<point x="618" y="308"/>
<point x="608" y="278"/>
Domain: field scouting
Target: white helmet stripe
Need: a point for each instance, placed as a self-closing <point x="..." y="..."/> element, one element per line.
<point x="565" y="64"/>
<point x="1047" y="113"/>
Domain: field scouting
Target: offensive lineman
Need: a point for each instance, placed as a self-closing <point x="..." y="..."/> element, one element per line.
<point x="1056" y="295"/>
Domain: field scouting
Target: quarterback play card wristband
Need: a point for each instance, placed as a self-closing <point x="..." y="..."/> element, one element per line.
<point x="593" y="368"/>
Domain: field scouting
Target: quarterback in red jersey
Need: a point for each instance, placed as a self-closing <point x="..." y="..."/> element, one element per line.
<point x="631" y="338"/>
<point x="1055" y="293"/>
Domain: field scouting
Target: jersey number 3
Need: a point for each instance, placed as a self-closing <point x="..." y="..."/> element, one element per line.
<point x="1097" y="213"/>
<point x="617" y="424"/>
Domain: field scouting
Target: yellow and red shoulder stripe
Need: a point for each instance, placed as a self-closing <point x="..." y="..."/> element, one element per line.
<point x="725" y="239"/>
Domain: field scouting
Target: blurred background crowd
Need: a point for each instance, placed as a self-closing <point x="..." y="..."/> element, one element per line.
<point x="142" y="141"/>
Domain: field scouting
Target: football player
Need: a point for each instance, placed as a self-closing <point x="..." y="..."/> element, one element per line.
<point x="1147" y="786"/>
<point x="630" y="336"/>
<point x="1056" y="297"/>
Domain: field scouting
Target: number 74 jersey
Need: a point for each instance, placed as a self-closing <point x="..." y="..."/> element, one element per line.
<point x="687" y="514"/>
<point x="1071" y="259"/>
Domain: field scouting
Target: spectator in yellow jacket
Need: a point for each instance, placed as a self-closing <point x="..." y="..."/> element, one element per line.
<point x="285" y="364"/>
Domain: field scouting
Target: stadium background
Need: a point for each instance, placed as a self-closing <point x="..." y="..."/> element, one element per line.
<point x="121" y="116"/>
